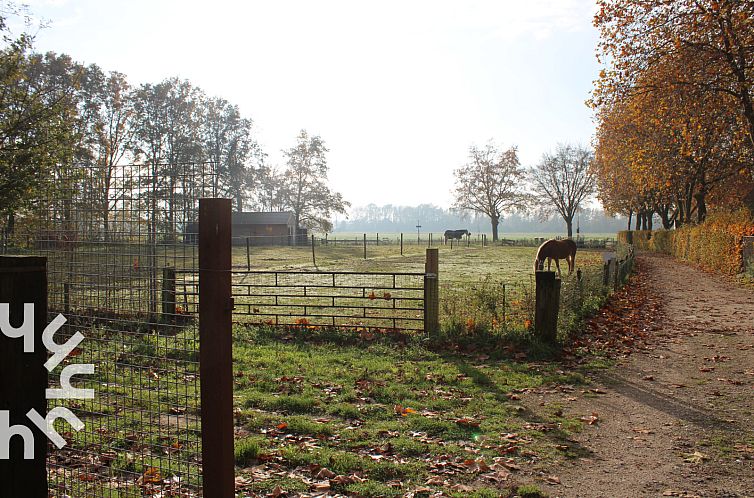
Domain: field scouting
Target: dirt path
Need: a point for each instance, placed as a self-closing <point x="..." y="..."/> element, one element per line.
<point x="677" y="418"/>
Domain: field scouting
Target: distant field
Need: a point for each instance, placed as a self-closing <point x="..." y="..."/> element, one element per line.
<point x="460" y="264"/>
<point x="410" y="237"/>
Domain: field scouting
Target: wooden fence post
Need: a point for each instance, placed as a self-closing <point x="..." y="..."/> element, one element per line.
<point x="431" y="293"/>
<point x="314" y="257"/>
<point x="401" y="243"/>
<point x="547" y="305"/>
<point x="365" y="246"/>
<point x="168" y="294"/>
<point x="248" y="254"/>
<point x="215" y="354"/>
<point x="23" y="280"/>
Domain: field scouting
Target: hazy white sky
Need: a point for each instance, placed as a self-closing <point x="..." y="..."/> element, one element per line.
<point x="397" y="89"/>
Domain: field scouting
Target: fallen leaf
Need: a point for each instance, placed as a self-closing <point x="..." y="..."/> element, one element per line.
<point x="696" y="457"/>
<point x="325" y="474"/>
<point x="591" y="419"/>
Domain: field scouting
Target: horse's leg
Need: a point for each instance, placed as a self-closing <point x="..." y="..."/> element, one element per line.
<point x="557" y="265"/>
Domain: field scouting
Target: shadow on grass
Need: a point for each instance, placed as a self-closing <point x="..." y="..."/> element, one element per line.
<point x="555" y="435"/>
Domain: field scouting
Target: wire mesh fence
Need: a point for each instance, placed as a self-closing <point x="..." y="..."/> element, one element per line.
<point x="109" y="234"/>
<point x="583" y="295"/>
<point x="489" y="304"/>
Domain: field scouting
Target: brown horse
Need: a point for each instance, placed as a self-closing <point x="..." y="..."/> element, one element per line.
<point x="556" y="249"/>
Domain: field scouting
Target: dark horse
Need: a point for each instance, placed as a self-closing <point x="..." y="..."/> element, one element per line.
<point x="456" y="234"/>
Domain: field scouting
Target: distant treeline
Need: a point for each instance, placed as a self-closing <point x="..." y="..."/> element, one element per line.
<point x="389" y="218"/>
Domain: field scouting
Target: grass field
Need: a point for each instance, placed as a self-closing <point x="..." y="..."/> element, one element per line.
<point x="338" y="413"/>
<point x="481" y="288"/>
<point x="460" y="264"/>
<point x="385" y="419"/>
<point x="345" y="412"/>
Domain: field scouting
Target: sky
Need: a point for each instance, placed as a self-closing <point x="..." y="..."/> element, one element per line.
<point x="398" y="90"/>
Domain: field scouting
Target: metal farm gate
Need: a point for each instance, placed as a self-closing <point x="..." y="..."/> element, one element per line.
<point x="113" y="238"/>
<point x="330" y="299"/>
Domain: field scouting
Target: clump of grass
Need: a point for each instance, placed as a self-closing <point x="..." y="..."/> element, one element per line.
<point x="247" y="451"/>
<point x="529" y="491"/>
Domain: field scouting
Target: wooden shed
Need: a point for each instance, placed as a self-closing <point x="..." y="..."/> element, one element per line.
<point x="261" y="228"/>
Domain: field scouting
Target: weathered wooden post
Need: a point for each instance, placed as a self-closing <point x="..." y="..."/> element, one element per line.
<point x="168" y="294"/>
<point x="401" y="243"/>
<point x="314" y="257"/>
<point x="431" y="293"/>
<point x="365" y="246"/>
<point x="609" y="262"/>
<point x="24" y="378"/>
<point x="378" y="238"/>
<point x="547" y="305"/>
<point x="248" y="254"/>
<point x="215" y="354"/>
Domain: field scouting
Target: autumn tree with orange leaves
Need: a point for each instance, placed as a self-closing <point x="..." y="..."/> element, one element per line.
<point x="674" y="110"/>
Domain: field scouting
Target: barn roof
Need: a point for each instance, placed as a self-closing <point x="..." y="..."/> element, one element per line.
<point x="263" y="218"/>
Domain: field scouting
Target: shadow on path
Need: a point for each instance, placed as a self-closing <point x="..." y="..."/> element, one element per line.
<point x="674" y="406"/>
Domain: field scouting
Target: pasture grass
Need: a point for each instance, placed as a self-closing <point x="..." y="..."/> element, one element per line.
<point x="396" y="416"/>
<point x="380" y="410"/>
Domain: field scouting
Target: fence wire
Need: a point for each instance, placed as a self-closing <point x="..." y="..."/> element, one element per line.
<point x="112" y="237"/>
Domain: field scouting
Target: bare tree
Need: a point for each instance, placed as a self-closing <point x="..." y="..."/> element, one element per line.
<point x="490" y="183"/>
<point x="563" y="181"/>
<point x="305" y="191"/>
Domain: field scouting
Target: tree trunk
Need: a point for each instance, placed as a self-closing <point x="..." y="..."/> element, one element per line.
<point x="10" y="226"/>
<point x="630" y="217"/>
<point x="650" y="215"/>
<point x="569" y="227"/>
<point x="701" y="205"/>
<point x="665" y="218"/>
<point x="494" y="220"/>
<point x="106" y="224"/>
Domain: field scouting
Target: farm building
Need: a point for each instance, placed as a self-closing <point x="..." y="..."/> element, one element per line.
<point x="261" y="228"/>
